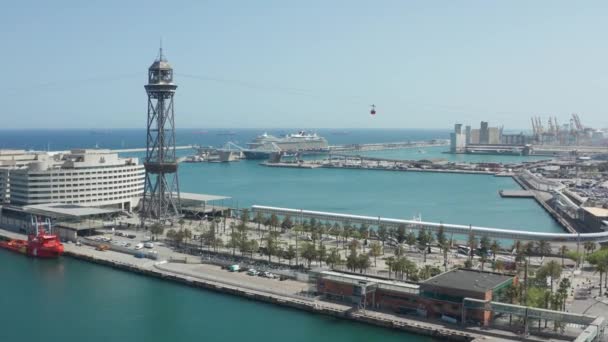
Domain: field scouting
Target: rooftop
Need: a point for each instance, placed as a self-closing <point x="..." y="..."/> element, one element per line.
<point x="189" y="196"/>
<point x="62" y="210"/>
<point x="468" y="280"/>
<point x="595" y="211"/>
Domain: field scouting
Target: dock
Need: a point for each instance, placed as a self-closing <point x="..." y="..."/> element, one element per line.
<point x="143" y="149"/>
<point x="388" y="146"/>
<point x="516" y="194"/>
<point x="293" y="165"/>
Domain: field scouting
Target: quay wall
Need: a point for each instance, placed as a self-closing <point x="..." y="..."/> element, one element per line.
<point x="301" y="304"/>
<point x="555" y="215"/>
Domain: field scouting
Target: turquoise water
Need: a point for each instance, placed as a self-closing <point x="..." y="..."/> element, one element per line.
<point x="72" y="301"/>
<point x="453" y="198"/>
<point x="68" y="300"/>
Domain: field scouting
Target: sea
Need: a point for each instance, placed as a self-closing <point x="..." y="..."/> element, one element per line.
<point x="70" y="300"/>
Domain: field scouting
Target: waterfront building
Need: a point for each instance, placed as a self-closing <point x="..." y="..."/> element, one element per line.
<point x="484" y="133"/>
<point x="458" y="139"/>
<point x="468" y="134"/>
<point x="493" y="135"/>
<point x="441" y="296"/>
<point x="515" y="139"/>
<point x="445" y="293"/>
<point x="474" y="137"/>
<point x="94" y="178"/>
<point x="594" y="219"/>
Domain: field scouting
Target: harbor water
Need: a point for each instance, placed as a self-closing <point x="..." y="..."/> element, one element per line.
<point x="69" y="300"/>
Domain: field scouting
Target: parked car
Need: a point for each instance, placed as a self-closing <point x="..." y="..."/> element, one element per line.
<point x="252" y="272"/>
<point x="139" y="246"/>
<point x="131" y="236"/>
<point x="149" y="245"/>
<point x="234" y="268"/>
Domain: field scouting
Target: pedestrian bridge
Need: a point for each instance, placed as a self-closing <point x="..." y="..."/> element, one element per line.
<point x="497" y="233"/>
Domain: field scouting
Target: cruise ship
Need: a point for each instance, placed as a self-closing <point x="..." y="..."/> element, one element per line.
<point x="302" y="142"/>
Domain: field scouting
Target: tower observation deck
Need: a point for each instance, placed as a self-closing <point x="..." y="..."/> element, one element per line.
<point x="161" y="200"/>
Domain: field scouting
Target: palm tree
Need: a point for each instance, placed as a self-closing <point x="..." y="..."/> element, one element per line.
<point x="554" y="270"/>
<point x="445" y="248"/>
<point x="472" y="245"/>
<point x="543" y="247"/>
<point x="363" y="262"/>
<point x="334" y="258"/>
<point x="562" y="251"/>
<point x="157" y="229"/>
<point x="483" y="259"/>
<point x="390" y="262"/>
<point x="495" y="247"/>
<point x="410" y="239"/>
<point x="375" y="250"/>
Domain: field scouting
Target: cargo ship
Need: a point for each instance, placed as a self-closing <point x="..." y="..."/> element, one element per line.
<point x="302" y="143"/>
<point x="40" y="244"/>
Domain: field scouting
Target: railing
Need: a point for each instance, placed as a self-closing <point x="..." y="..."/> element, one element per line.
<point x="434" y="226"/>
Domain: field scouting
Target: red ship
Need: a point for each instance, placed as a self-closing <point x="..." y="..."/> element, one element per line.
<point x="40" y="245"/>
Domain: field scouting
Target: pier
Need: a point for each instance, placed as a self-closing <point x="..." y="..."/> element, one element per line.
<point x="388" y="146"/>
<point x="516" y="194"/>
<point x="143" y="149"/>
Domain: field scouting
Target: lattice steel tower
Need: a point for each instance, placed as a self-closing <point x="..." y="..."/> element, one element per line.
<point x="161" y="200"/>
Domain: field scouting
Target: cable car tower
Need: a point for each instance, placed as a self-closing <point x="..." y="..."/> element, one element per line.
<point x="161" y="201"/>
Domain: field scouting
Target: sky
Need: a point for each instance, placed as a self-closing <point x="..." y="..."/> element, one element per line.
<point x="305" y="64"/>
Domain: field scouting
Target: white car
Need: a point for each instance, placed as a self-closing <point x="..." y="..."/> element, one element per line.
<point x="149" y="245"/>
<point x="139" y="246"/>
<point x="252" y="272"/>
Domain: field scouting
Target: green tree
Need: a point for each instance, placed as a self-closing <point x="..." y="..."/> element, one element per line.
<point x="543" y="247"/>
<point x="375" y="250"/>
<point x="272" y="245"/>
<point x="485" y="244"/>
<point x="333" y="258"/>
<point x="411" y="239"/>
<point x="287" y="223"/>
<point x="472" y="243"/>
<point x="599" y="259"/>
<point x="245" y="216"/>
<point x="309" y="252"/>
<point x="274" y="221"/>
<point x="181" y="222"/>
<point x="495" y="247"/>
<point x="562" y="252"/>
<point x="290" y="253"/>
<point x="157" y="229"/>
<point x="390" y="261"/>
<point x="363" y="262"/>
<point x="551" y="269"/>
<point x="259" y="219"/>
<point x="351" y="260"/>
<point x="382" y="234"/>
<point x="441" y="239"/>
<point x="424" y="239"/>
<point x="401" y="233"/>
<point x="321" y="254"/>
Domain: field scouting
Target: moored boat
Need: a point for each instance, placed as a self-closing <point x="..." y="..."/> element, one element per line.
<point x="40" y="244"/>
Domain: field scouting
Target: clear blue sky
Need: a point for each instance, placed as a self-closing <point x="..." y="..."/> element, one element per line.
<point x="425" y="64"/>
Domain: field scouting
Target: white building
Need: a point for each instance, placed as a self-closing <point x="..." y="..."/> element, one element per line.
<point x="458" y="140"/>
<point x="96" y="178"/>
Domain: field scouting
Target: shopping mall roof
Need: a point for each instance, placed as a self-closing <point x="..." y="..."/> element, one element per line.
<point x="466" y="280"/>
<point x="62" y="210"/>
<point x="189" y="196"/>
<point x="595" y="211"/>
